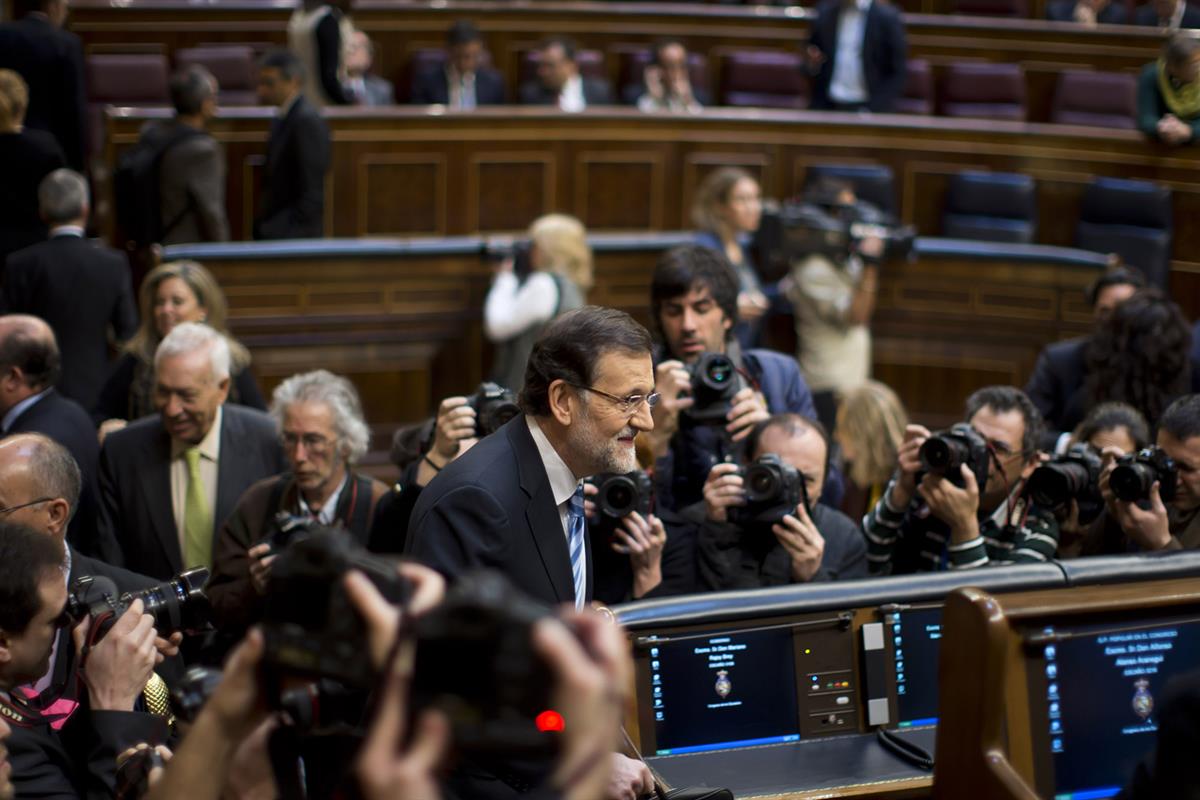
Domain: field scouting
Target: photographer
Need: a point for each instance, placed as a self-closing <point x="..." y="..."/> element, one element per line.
<point x="694" y="303"/>
<point x="950" y="521"/>
<point x="812" y="542"/>
<point x="323" y="433"/>
<point x="71" y="750"/>
<point x="834" y="298"/>
<point x="1149" y="523"/>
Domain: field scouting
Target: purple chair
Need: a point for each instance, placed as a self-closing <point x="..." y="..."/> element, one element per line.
<point x="984" y="90"/>
<point x="918" y="89"/>
<point x="763" y="78"/>
<point x="233" y="66"/>
<point x="992" y="8"/>
<point x="1102" y="99"/>
<point x="122" y="79"/>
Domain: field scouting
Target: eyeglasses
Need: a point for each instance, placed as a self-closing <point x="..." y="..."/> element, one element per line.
<point x="628" y="404"/>
<point x="11" y="509"/>
<point x="313" y="443"/>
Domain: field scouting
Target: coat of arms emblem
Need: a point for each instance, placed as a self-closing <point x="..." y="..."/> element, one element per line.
<point x="723" y="685"/>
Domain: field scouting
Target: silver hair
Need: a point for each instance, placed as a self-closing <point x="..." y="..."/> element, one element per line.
<point x="336" y="392"/>
<point x="188" y="337"/>
<point x="62" y="196"/>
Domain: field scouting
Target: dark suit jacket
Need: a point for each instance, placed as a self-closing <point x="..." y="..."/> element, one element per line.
<point x="1146" y="15"/>
<point x="191" y="186"/>
<point x="65" y="421"/>
<point x="884" y="52"/>
<point x="82" y="289"/>
<point x="1057" y="386"/>
<point x="135" y="485"/>
<point x="51" y="62"/>
<point x="1114" y="13"/>
<point x="429" y="87"/>
<point x="493" y="507"/>
<point x="292" y="205"/>
<point x="596" y="92"/>
<point x="25" y="158"/>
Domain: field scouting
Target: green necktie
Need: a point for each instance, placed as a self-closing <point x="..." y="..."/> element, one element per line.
<point x="197" y="518"/>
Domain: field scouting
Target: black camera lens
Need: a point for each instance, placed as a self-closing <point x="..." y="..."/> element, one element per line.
<point x="1054" y="485"/>
<point x="619" y="500"/>
<point x="719" y="372"/>
<point x="179" y="604"/>
<point x="1131" y="482"/>
<point x="940" y="454"/>
<point x="761" y="484"/>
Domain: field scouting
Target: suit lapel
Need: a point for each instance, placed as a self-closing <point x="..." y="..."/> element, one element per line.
<point x="156" y="487"/>
<point x="229" y="476"/>
<point x="545" y="524"/>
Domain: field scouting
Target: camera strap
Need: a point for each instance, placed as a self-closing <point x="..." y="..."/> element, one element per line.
<point x="32" y="711"/>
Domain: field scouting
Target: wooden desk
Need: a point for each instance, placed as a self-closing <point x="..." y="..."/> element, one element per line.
<point x="399" y="27"/>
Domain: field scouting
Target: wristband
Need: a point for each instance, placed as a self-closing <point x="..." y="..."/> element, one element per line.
<point x="429" y="461"/>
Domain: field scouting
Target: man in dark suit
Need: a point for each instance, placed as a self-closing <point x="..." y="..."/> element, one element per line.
<point x="559" y="82"/>
<point x="168" y="482"/>
<point x="292" y="205"/>
<point x="51" y="62"/>
<point x="514" y="501"/>
<point x="1088" y="12"/>
<point x="29" y="365"/>
<point x="80" y="288"/>
<point x="870" y="72"/>
<point x="1168" y="14"/>
<point x="464" y="81"/>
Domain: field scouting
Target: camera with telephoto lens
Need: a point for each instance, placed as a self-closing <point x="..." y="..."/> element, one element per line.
<point x="946" y="451"/>
<point x="1136" y="473"/>
<point x="1074" y="475"/>
<point x="617" y="496"/>
<point x="773" y="488"/>
<point x="178" y="605"/>
<point x="715" y="381"/>
<point x="494" y="405"/>
<point x="310" y="627"/>
<point x="475" y="662"/>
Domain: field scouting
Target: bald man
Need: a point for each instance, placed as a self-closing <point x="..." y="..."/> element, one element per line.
<point x="29" y="368"/>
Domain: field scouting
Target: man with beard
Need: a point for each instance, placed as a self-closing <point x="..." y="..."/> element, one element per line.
<point x="514" y="502"/>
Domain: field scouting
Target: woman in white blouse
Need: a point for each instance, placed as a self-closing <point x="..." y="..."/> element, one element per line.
<point x="519" y="306"/>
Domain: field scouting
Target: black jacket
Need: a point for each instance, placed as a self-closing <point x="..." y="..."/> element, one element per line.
<point x="429" y="87"/>
<point x="1058" y="386"/>
<point x="25" y="158"/>
<point x="292" y="205"/>
<point x="82" y="290"/>
<point x="884" y="53"/>
<point x="65" y="421"/>
<point x="51" y="62"/>
<point x="596" y="92"/>
<point x="1114" y="13"/>
<point x="135" y="485"/>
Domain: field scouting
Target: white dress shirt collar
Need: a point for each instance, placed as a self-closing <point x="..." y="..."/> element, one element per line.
<point x="563" y="482"/>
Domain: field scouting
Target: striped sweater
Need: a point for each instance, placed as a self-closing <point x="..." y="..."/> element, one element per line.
<point x="913" y="540"/>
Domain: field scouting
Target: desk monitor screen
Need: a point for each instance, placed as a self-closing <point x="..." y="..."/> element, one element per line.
<point x="914" y="637"/>
<point x="1095" y="691"/>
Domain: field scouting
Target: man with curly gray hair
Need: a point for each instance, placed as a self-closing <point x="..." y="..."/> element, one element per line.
<point x="321" y="427"/>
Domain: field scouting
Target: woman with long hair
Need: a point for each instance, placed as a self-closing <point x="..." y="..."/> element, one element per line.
<point x="870" y="427"/>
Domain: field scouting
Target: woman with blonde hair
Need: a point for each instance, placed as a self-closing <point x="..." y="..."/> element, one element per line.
<point x="551" y="276"/>
<point x="26" y="157"/>
<point x="870" y="428"/>
<point x="179" y="291"/>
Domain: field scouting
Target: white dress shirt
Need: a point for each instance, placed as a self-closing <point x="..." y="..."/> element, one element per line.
<point x="848" y="84"/>
<point x="460" y="89"/>
<point x="571" y="97"/>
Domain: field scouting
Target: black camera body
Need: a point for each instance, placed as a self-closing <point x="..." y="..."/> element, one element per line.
<point x="476" y="663"/>
<point x="1074" y="475"/>
<point x="773" y="489"/>
<point x="715" y="381"/>
<point x="285" y="527"/>
<point x="178" y="605"/>
<point x="310" y="627"/>
<point x="1136" y="473"/>
<point x="618" y="495"/>
<point x="189" y="695"/>
<point x="494" y="405"/>
<point x="946" y="451"/>
<point x="822" y="226"/>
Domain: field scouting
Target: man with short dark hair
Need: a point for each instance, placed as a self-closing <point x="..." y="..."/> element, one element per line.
<point x="81" y="288"/>
<point x="191" y="169"/>
<point x="292" y="204"/>
<point x="514" y="501"/>
<point x="693" y="298"/>
<point x="559" y="82"/>
<point x="936" y="524"/>
<point x="667" y="83"/>
<point x="811" y="543"/>
<point x="464" y="82"/>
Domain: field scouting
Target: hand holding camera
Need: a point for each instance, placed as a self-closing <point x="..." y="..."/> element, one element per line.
<point x="803" y="542"/>
<point x="909" y="464"/>
<point x="642" y="539"/>
<point x="957" y="506"/>
<point x="1134" y="487"/>
<point x="722" y="490"/>
<point x="117" y="666"/>
<point x="261" y="555"/>
<point x="749" y="409"/>
<point x="455" y="424"/>
<point x="673" y="383"/>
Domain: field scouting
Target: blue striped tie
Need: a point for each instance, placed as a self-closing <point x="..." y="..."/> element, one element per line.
<point x="576" y="530"/>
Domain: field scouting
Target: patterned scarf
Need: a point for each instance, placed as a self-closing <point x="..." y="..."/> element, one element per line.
<point x="1182" y="98"/>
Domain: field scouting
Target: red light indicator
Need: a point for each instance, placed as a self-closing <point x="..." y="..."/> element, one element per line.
<point x="549" y="721"/>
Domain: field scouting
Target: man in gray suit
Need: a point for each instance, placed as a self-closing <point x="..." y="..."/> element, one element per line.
<point x="191" y="175"/>
<point x="361" y="86"/>
<point x="168" y="482"/>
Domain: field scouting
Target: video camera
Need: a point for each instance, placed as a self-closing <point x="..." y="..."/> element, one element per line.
<point x="494" y="405"/>
<point x="177" y="605"/>
<point x="945" y="452"/>
<point x="619" y="495"/>
<point x="1074" y="475"/>
<point x="715" y="381"/>
<point x="773" y="490"/>
<point x="1136" y="473"/>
